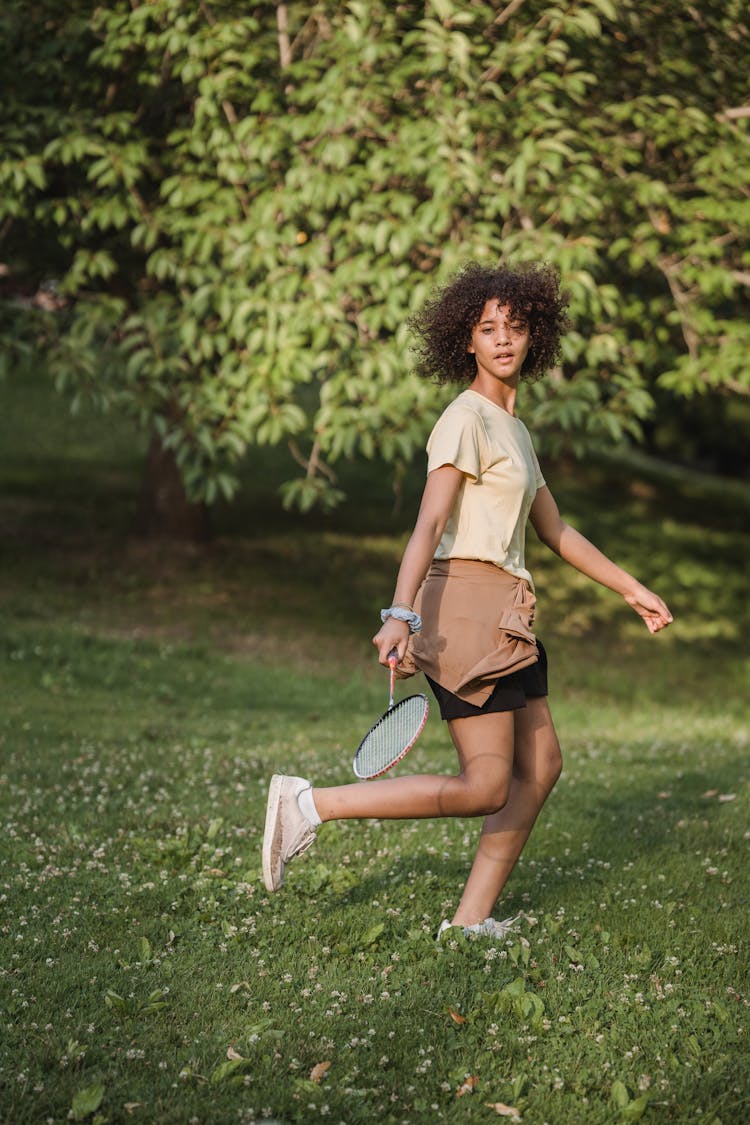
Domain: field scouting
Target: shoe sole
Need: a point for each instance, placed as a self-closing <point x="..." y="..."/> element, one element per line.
<point x="273" y="817"/>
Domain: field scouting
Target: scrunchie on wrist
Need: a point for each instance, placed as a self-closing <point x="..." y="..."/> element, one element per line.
<point x="400" y="613"/>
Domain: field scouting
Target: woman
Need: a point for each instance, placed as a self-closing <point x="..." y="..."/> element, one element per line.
<point x="462" y="610"/>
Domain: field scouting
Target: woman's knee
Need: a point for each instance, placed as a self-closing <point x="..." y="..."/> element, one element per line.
<point x="551" y="765"/>
<point x="485" y="796"/>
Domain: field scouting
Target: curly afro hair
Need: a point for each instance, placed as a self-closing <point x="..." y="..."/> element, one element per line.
<point x="444" y="325"/>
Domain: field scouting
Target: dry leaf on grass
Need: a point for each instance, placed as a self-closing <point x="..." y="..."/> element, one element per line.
<point x="503" y="1110"/>
<point x="318" y="1072"/>
<point x="456" y="1016"/>
<point x="232" y="1054"/>
<point x="468" y="1086"/>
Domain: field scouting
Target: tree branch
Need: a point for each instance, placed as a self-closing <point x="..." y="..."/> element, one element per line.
<point x="682" y="304"/>
<point x="285" y="48"/>
<point x="738" y="388"/>
<point x="315" y="27"/>
<point x="734" y="114"/>
<point x="506" y="13"/>
<point x="312" y="464"/>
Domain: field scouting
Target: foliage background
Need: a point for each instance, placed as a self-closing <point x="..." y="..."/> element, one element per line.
<point x="239" y="205"/>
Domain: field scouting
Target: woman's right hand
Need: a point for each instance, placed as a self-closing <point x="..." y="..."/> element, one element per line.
<point x="392" y="634"/>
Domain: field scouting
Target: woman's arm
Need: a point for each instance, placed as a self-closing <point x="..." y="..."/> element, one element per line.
<point x="438" y="499"/>
<point x="570" y="545"/>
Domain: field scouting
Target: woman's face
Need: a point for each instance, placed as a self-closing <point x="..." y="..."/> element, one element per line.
<point x="499" y="342"/>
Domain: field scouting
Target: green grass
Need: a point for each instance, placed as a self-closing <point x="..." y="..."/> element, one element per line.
<point x="150" y="690"/>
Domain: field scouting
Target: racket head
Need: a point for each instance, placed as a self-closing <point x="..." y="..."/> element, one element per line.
<point x="391" y="737"/>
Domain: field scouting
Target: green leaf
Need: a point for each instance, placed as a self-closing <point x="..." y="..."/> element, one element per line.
<point x="444" y="9"/>
<point x="635" y="1109"/>
<point x="619" y="1094"/>
<point x="371" y="936"/>
<point x="228" y="1069"/>
<point x="87" y="1101"/>
<point x="116" y="1002"/>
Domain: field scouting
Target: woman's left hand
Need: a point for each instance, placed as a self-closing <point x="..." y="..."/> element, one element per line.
<point x="650" y="607"/>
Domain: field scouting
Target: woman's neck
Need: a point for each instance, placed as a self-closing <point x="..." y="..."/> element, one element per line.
<point x="500" y="392"/>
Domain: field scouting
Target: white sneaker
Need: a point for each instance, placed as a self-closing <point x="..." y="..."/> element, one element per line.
<point x="488" y="928"/>
<point x="288" y="832"/>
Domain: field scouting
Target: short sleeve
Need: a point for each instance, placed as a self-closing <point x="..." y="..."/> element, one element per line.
<point x="540" y="481"/>
<point x="459" y="439"/>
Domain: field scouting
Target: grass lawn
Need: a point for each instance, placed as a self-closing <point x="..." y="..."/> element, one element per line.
<point x="150" y="690"/>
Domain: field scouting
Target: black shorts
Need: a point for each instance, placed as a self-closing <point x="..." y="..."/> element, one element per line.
<point x="509" y="693"/>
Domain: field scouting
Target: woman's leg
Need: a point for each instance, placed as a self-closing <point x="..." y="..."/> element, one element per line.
<point x="536" y="767"/>
<point x="482" y="786"/>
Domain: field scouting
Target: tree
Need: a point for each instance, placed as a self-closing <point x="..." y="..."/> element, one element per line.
<point x="242" y="205"/>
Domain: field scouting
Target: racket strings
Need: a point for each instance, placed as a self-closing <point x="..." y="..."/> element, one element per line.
<point x="391" y="736"/>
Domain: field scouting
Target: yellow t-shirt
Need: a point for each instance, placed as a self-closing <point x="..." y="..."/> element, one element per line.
<point x="493" y="450"/>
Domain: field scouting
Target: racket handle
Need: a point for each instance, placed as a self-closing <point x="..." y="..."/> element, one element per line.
<point x="392" y="660"/>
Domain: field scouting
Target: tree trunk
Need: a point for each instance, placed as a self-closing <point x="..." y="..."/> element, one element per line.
<point x="164" y="508"/>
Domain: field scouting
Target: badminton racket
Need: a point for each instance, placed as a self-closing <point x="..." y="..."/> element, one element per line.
<point x="394" y="734"/>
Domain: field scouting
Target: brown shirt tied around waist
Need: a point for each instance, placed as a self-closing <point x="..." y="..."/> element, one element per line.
<point x="476" y="627"/>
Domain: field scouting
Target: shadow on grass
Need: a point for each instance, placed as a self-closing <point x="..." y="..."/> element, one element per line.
<point x="586" y="841"/>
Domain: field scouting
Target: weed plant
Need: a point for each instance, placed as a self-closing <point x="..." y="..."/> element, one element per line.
<point x="150" y="691"/>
